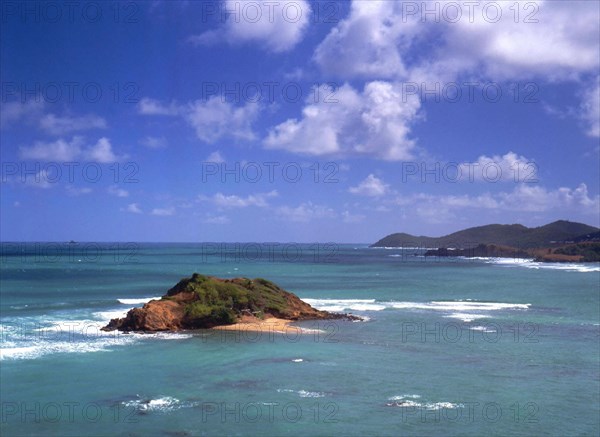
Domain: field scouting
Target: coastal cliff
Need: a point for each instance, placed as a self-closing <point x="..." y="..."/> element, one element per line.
<point x="201" y="302"/>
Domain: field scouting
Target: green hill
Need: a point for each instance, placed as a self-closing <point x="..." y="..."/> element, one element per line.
<point x="519" y="236"/>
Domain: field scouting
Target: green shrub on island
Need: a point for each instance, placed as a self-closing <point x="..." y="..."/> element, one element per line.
<point x="211" y="315"/>
<point x="221" y="302"/>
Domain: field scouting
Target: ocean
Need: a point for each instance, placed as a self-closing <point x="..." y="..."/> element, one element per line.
<point x="447" y="347"/>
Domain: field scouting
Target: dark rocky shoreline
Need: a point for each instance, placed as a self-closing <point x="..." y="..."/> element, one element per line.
<point x="580" y="252"/>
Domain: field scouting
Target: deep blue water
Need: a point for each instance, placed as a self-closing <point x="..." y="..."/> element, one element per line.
<point x="448" y="346"/>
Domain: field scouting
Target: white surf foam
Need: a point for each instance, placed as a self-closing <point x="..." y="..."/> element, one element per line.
<point x="18" y="352"/>
<point x="482" y="329"/>
<point x="302" y="393"/>
<point x="474" y="305"/>
<point x="137" y="301"/>
<point x="310" y="394"/>
<point x="340" y="305"/>
<point x="531" y="264"/>
<point x="402" y="397"/>
<point x="163" y="404"/>
<point x="373" y="305"/>
<point x="465" y="310"/>
<point x="409" y="401"/>
<point x="41" y="348"/>
<point x="406" y="248"/>
<point x="28" y="338"/>
<point x="467" y="317"/>
<point x="581" y="268"/>
<point x="162" y="335"/>
<point x="107" y="316"/>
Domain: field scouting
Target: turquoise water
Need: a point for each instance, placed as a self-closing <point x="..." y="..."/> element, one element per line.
<point x="448" y="346"/>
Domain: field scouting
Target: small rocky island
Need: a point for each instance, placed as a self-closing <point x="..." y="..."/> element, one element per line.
<point x="203" y="302"/>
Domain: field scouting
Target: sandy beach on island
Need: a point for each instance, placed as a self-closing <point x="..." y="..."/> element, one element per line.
<point x="269" y="324"/>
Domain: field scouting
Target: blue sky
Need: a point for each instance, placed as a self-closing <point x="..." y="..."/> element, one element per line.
<point x="295" y="120"/>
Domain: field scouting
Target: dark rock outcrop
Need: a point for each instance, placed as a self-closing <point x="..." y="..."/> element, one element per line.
<point x="482" y="250"/>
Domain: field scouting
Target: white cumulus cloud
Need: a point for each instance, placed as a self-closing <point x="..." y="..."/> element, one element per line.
<point x="154" y="142"/>
<point x="547" y="42"/>
<point x="57" y="125"/>
<point x="215" y="157"/>
<point x="60" y="150"/>
<point x="77" y="191"/>
<point x="215" y="118"/>
<point x="591" y="109"/>
<point x="101" y="152"/>
<point x="277" y="26"/>
<point x="67" y="151"/>
<point x="372" y="186"/>
<point x="369" y="43"/>
<point x="14" y="112"/>
<point x="212" y="119"/>
<point x="305" y="212"/>
<point x="523" y="198"/>
<point x="234" y="201"/>
<point x="383" y="39"/>
<point x="148" y="106"/>
<point x="114" y="190"/>
<point x="373" y="122"/>
<point x="134" y="208"/>
<point x="163" y="212"/>
<point x="506" y="168"/>
<point x="216" y="219"/>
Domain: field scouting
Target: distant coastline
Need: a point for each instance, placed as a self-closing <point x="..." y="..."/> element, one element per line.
<point x="560" y="241"/>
